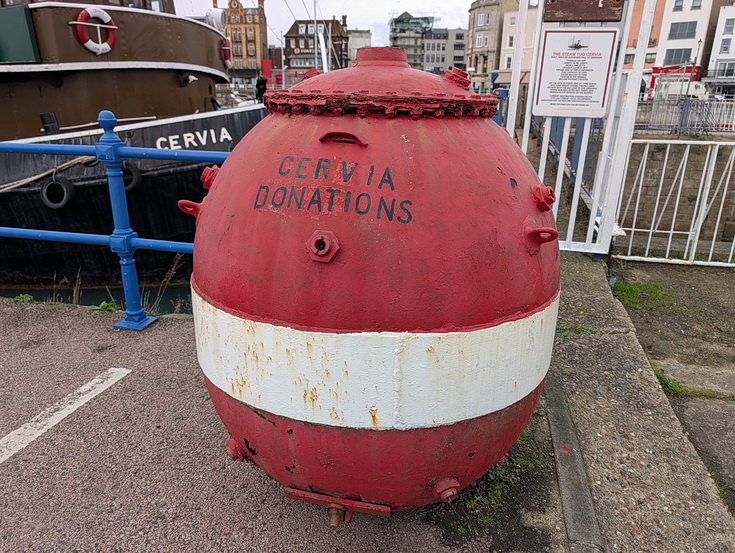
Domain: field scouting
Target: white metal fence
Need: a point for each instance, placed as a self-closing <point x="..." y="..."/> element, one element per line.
<point x="678" y="203"/>
<point x="686" y="116"/>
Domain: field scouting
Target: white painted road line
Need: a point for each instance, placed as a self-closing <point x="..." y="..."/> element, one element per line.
<point x="18" y="439"/>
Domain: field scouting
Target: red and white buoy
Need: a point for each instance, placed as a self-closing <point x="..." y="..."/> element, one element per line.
<point x="375" y="288"/>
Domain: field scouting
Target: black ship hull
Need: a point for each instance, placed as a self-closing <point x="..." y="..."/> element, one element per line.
<point x="155" y="187"/>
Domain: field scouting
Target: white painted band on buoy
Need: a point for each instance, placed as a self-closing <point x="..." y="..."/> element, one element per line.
<point x="383" y="380"/>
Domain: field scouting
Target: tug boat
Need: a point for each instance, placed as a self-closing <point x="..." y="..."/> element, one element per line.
<point x="61" y="64"/>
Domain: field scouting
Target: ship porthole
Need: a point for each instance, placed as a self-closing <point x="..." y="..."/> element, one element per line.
<point x="57" y="192"/>
<point x="131" y="176"/>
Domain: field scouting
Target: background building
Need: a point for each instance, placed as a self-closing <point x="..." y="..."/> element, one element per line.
<point x="720" y="74"/>
<point x="248" y="34"/>
<point x="407" y="32"/>
<point x="300" y="50"/>
<point x="435" y="50"/>
<point x="653" y="41"/>
<point x="444" y="49"/>
<point x="687" y="31"/>
<point x="277" y="55"/>
<point x="483" y="44"/>
<point x="457" y="47"/>
<point x="358" y="39"/>
<point x="506" y="60"/>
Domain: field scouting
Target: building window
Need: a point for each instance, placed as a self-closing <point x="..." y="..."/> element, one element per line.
<point x="508" y="61"/>
<point x="458" y="59"/>
<point x="628" y="59"/>
<point x="729" y="26"/>
<point x="251" y="34"/>
<point x="480" y="19"/>
<point x="427" y="58"/>
<point x="302" y="43"/>
<point x="478" y="41"/>
<point x="678" y="5"/>
<point x="512" y="21"/>
<point x="696" y="4"/>
<point x="725" y="46"/>
<point x="320" y="28"/>
<point x="311" y="29"/>
<point x="459" y="36"/>
<point x="311" y="43"/>
<point x="444" y="46"/>
<point x="249" y="18"/>
<point x="651" y="58"/>
<point x="251" y="49"/>
<point x="292" y="42"/>
<point x="442" y="59"/>
<point x="302" y="29"/>
<point x="485" y="40"/>
<point x="510" y="41"/>
<point x="686" y="29"/>
<point x="679" y="55"/>
<point x="726" y="69"/>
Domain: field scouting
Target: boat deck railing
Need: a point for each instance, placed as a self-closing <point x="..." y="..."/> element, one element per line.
<point x="123" y="241"/>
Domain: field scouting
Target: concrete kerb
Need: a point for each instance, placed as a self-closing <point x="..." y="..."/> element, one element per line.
<point x="580" y="518"/>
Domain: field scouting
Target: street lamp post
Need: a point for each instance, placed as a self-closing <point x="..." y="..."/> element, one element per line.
<point x="684" y="113"/>
<point x="691" y="72"/>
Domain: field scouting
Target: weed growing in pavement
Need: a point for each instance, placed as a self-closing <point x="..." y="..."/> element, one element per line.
<point x="154" y="307"/>
<point x="634" y="295"/>
<point x="722" y="492"/>
<point x="108" y="306"/>
<point x="573" y="331"/>
<point x="484" y="504"/>
<point x="23" y="298"/>
<point x="673" y="387"/>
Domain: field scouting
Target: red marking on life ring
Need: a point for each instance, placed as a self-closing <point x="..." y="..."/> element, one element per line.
<point x="227" y="53"/>
<point x="98" y="48"/>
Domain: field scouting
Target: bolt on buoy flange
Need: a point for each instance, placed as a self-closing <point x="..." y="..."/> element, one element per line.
<point x="447" y="489"/>
<point x="336" y="514"/>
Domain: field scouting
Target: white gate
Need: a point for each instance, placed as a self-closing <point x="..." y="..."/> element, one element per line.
<point x="588" y="180"/>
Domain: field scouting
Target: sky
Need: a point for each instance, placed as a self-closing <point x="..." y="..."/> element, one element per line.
<point x="361" y="14"/>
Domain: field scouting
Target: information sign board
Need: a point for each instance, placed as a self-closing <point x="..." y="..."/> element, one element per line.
<point x="575" y="71"/>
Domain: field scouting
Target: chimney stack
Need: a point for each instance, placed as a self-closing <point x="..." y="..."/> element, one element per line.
<point x="344" y="21"/>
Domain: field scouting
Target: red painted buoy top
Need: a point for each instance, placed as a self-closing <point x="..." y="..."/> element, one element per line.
<point x="382" y="83"/>
<point x="378" y="198"/>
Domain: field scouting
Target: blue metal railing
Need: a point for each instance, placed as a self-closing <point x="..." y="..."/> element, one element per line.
<point x="112" y="152"/>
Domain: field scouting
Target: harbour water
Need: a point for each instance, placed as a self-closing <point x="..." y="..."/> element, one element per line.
<point x="174" y="298"/>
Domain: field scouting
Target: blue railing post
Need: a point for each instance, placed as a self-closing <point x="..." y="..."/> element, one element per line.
<point x="121" y="238"/>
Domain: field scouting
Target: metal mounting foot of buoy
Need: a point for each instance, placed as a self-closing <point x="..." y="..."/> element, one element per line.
<point x="339" y="509"/>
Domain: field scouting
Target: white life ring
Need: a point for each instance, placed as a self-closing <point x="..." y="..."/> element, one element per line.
<point x="98" y="13"/>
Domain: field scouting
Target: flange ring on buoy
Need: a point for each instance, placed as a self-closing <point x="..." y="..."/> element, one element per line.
<point x="57" y="192"/>
<point x="83" y="18"/>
